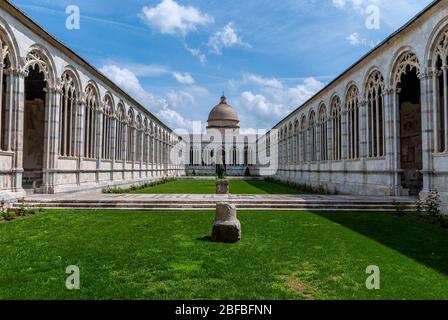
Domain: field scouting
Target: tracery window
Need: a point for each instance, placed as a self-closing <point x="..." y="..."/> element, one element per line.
<point x="5" y="95"/>
<point x="68" y="115"/>
<point x="352" y="123"/>
<point x="323" y="133"/>
<point x="375" y="115"/>
<point x="91" y="122"/>
<point x="336" y="119"/>
<point x="139" y="140"/>
<point x="312" y="137"/>
<point x="120" y="133"/>
<point x="303" y="131"/>
<point x="440" y="83"/>
<point x="130" y="141"/>
<point x="146" y="141"/>
<point x="296" y="142"/>
<point x="108" y="120"/>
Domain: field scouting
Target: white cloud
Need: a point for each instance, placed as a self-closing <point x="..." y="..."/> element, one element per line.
<point x="197" y="54"/>
<point x="225" y="38"/>
<point x="270" y="99"/>
<point x="183" y="78"/>
<point x="127" y="80"/>
<point x="173" y="119"/>
<point x="355" y="39"/>
<point x="268" y="82"/>
<point x="258" y="103"/>
<point x="169" y="17"/>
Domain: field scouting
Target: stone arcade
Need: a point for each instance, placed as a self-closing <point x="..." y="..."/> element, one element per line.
<point x="66" y="127"/>
<point x="380" y="128"/>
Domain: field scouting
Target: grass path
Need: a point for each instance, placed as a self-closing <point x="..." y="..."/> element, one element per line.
<point x="190" y="186"/>
<point x="283" y="255"/>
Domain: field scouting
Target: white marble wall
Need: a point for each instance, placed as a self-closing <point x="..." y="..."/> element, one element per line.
<point x="376" y="175"/>
<point x="25" y="41"/>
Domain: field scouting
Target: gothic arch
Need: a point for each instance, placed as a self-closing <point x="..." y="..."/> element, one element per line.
<point x="350" y="86"/>
<point x="69" y="111"/>
<point x="38" y="56"/>
<point x="6" y="34"/>
<point x="374" y="70"/>
<point x="75" y="75"/>
<point x="375" y="114"/>
<point x="439" y="33"/>
<point x="438" y="60"/>
<point x="108" y="96"/>
<point x="405" y="58"/>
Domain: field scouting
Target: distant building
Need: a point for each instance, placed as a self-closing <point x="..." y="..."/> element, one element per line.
<point x="222" y="144"/>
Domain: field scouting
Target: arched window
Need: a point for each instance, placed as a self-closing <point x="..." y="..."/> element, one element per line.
<point x="440" y="83"/>
<point x="91" y="122"/>
<point x="336" y="119"/>
<point x="296" y="142"/>
<point x="139" y="140"/>
<point x="151" y="142"/>
<point x="290" y="144"/>
<point x="323" y="133"/>
<point x="312" y="137"/>
<point x="351" y="106"/>
<point x="108" y="118"/>
<point x="68" y="115"/>
<point x="145" y="141"/>
<point x="6" y="90"/>
<point x="131" y="137"/>
<point x="375" y="115"/>
<point x="120" y="133"/>
<point x="303" y="149"/>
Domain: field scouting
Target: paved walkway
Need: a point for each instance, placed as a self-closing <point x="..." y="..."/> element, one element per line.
<point x="98" y="196"/>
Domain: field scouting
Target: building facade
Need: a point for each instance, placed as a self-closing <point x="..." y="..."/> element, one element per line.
<point x="223" y="144"/>
<point x="382" y="126"/>
<point x="66" y="127"/>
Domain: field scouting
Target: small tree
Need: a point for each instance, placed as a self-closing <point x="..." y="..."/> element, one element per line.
<point x="221" y="171"/>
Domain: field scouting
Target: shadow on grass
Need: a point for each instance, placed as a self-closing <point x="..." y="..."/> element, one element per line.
<point x="205" y="239"/>
<point x="273" y="187"/>
<point x="427" y="244"/>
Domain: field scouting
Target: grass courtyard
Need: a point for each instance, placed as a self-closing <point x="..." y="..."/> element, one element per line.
<point x="283" y="255"/>
<point x="191" y="186"/>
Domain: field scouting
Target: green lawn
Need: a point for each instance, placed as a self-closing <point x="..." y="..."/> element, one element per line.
<point x="283" y="255"/>
<point x="191" y="186"/>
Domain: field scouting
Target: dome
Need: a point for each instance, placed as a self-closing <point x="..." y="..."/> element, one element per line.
<point x="223" y="116"/>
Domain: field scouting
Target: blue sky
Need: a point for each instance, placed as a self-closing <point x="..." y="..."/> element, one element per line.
<point x="177" y="56"/>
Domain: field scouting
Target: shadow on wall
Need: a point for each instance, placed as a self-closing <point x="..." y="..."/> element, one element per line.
<point x="426" y="244"/>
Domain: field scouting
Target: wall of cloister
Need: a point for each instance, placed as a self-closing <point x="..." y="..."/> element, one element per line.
<point x="381" y="127"/>
<point x="64" y="126"/>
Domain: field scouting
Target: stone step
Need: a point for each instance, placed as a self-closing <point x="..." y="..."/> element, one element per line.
<point x="211" y="206"/>
<point x="213" y="202"/>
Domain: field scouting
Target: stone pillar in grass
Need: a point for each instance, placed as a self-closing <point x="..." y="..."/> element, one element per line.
<point x="222" y="187"/>
<point x="226" y="227"/>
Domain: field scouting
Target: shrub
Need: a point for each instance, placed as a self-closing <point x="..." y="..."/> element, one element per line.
<point x="117" y="190"/>
<point x="399" y="208"/>
<point x="432" y="204"/>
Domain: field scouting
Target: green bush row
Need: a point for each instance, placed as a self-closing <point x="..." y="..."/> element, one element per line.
<point x="117" y="190"/>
